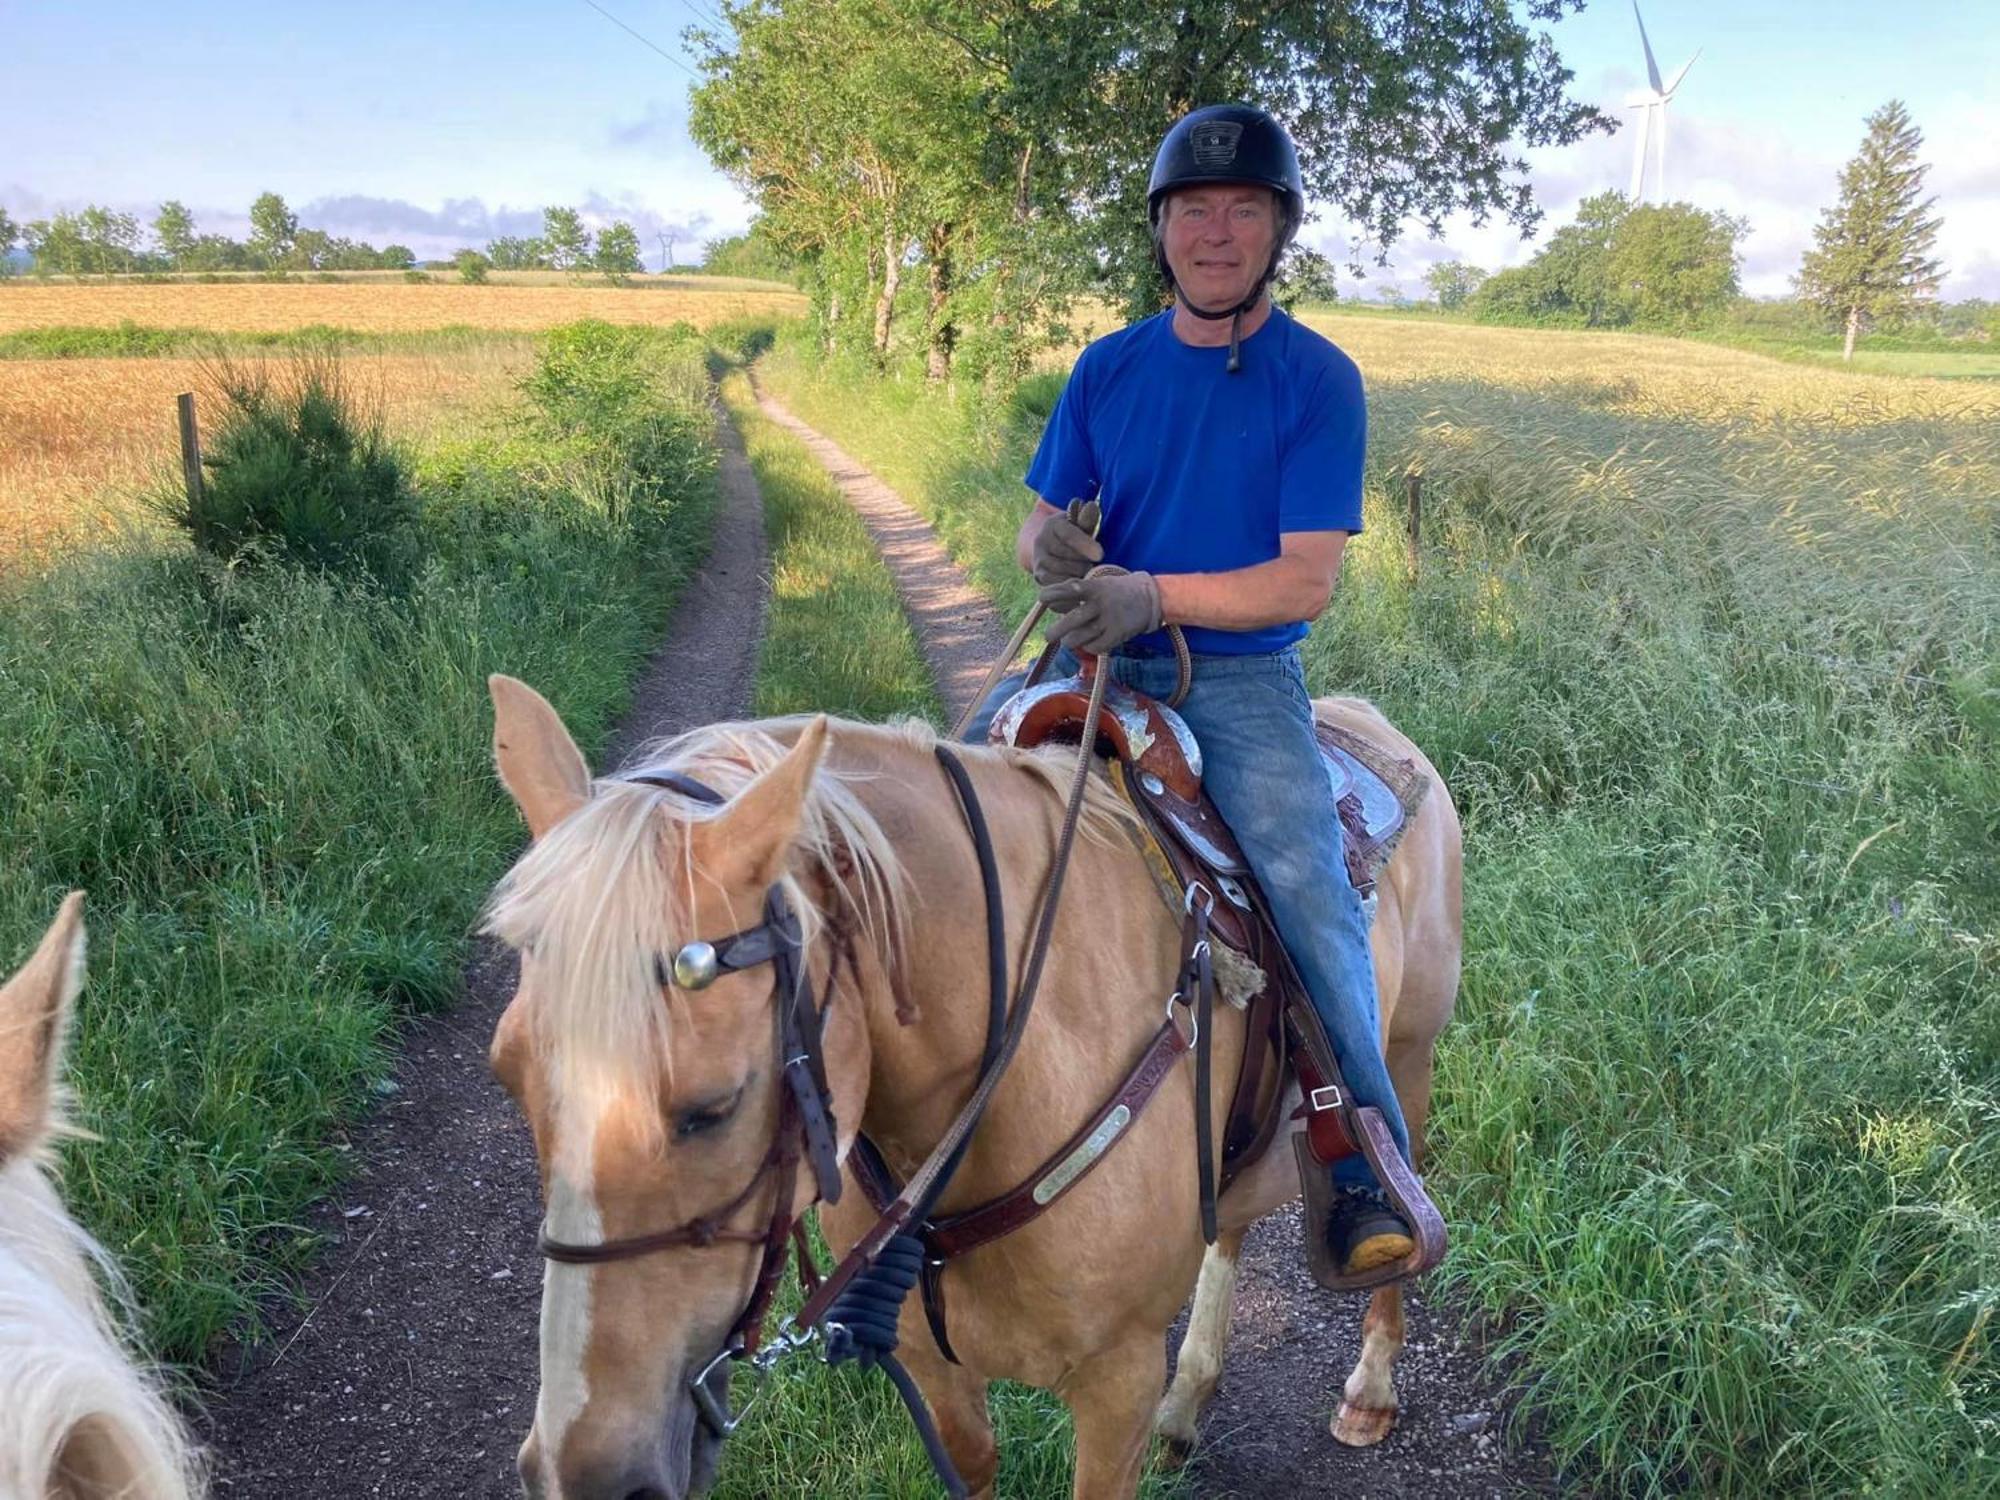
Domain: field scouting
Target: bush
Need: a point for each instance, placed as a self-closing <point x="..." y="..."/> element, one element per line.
<point x="295" y="470"/>
<point x="624" y="412"/>
<point x="419" y="278"/>
<point x="472" y="267"/>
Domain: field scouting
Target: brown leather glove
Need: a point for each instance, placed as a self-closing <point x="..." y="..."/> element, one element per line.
<point x="1102" y="612"/>
<point x="1065" y="546"/>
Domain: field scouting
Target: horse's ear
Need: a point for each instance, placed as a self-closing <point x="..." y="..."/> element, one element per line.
<point x="539" y="763"/>
<point x="34" y="1016"/>
<point x="746" y="843"/>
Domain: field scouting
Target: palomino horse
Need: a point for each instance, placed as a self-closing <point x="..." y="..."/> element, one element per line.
<point x="77" y="1421"/>
<point x="652" y="1105"/>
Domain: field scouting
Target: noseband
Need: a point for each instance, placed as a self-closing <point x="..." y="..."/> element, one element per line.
<point x="805" y="1124"/>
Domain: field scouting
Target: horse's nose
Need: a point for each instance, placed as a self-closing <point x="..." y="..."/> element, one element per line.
<point x="643" y="1479"/>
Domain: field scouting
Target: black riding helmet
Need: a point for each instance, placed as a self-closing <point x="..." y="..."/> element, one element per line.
<point x="1227" y="143"/>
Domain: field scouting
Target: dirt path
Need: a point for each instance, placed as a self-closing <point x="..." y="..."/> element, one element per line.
<point x="411" y="1371"/>
<point x="1291" y="1344"/>
<point x="960" y="631"/>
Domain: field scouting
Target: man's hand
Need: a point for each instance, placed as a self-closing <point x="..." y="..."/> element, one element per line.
<point x="1064" y="546"/>
<point x="1102" y="613"/>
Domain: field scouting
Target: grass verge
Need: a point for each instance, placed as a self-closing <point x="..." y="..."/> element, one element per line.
<point x="275" y="785"/>
<point x="1714" y="689"/>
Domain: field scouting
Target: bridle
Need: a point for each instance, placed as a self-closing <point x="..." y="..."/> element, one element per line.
<point x="805" y="1126"/>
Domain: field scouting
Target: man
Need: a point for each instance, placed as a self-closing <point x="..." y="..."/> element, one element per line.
<point x="1223" y="442"/>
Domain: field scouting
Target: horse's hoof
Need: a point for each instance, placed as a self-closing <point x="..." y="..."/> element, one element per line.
<point x="1172" y="1454"/>
<point x="1176" y="1433"/>
<point x="1363" y="1426"/>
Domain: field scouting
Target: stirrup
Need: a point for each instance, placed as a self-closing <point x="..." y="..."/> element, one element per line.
<point x="1402" y="1187"/>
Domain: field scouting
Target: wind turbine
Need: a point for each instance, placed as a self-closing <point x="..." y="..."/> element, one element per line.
<point x="1653" y="123"/>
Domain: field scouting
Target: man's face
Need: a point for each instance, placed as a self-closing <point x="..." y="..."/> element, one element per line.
<point x="1218" y="241"/>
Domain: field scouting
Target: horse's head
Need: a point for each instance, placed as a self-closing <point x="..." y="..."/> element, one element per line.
<point x="654" y="1097"/>
<point x="77" y="1421"/>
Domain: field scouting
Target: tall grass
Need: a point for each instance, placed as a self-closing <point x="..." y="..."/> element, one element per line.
<point x="275" y="785"/>
<point x="1709" y="665"/>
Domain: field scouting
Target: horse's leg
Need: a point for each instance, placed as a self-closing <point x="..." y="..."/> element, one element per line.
<point x="957" y="1399"/>
<point x="1111" y="1398"/>
<point x="1199" y="1365"/>
<point x="1368" y="1402"/>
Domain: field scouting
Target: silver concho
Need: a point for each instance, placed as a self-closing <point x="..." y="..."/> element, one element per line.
<point x="694" y="966"/>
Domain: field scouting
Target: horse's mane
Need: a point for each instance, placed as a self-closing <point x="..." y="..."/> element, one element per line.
<point x="65" y="1369"/>
<point x="607" y="891"/>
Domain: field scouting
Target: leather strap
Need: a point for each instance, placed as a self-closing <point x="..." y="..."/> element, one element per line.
<point x="956" y="1234"/>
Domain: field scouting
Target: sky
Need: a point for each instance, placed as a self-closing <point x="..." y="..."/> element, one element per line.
<point x="447" y="123"/>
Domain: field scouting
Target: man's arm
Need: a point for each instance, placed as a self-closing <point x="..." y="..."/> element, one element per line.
<point x="1295" y="585"/>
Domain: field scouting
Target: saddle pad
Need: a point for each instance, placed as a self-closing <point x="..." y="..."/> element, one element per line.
<point x="1382" y="782"/>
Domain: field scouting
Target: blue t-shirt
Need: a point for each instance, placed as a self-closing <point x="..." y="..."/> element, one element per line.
<point x="1201" y="471"/>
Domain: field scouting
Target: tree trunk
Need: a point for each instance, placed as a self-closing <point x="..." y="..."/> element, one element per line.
<point x="1853" y="327"/>
<point x="832" y="321"/>
<point x="944" y="333"/>
<point x="892" y="277"/>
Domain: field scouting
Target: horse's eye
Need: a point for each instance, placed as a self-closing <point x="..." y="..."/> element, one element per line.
<point x="698" y="1119"/>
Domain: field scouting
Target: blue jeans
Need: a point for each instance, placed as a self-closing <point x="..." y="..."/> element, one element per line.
<point x="1253" y="720"/>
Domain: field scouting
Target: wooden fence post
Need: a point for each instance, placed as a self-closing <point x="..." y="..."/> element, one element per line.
<point x="1413" y="486"/>
<point x="191" y="465"/>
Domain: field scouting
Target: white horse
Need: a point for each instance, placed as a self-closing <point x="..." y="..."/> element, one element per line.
<point x="78" y="1421"/>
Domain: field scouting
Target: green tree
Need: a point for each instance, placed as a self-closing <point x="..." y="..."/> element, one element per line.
<point x="754" y="254"/>
<point x="1672" y="265"/>
<point x="1871" y="257"/>
<point x="1453" y="282"/>
<point x="1668" y="265"/>
<point x="1404" y="112"/>
<point x="96" y="241"/>
<point x="512" y="253"/>
<point x="173" y="231"/>
<point x="566" y="241"/>
<point x="215" y="252"/>
<point x="1307" y="276"/>
<point x="56" y="244"/>
<point x="396" y="257"/>
<point x="618" y="251"/>
<point x="312" y="250"/>
<point x="10" y="234"/>
<point x="472" y="267"/>
<point x="273" y="228"/>
<point x="1002" y="149"/>
<point x="111" y="240"/>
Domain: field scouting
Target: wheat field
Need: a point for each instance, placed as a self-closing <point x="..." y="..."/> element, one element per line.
<point x="381" y="307"/>
<point x="82" y="439"/>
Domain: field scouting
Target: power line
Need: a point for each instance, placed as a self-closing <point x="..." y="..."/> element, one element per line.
<point x="646" y="40"/>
